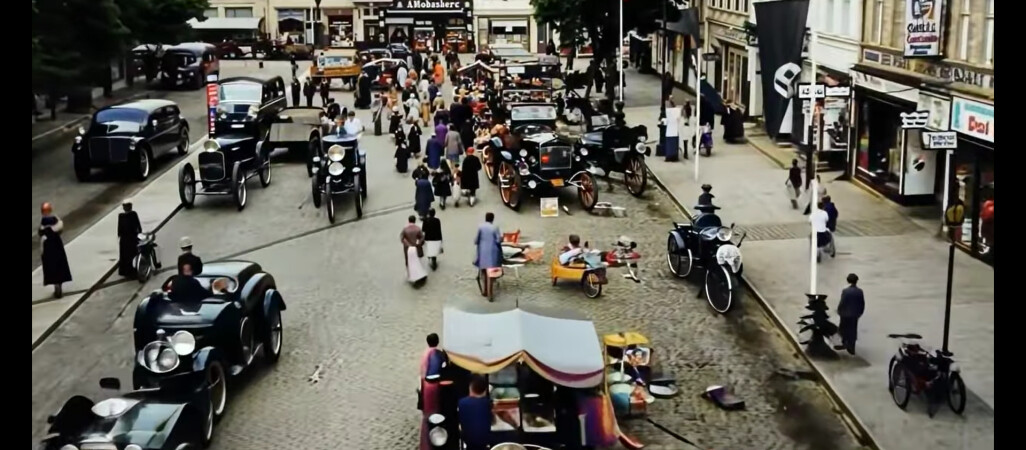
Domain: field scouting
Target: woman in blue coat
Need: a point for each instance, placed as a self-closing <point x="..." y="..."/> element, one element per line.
<point x="435" y="148"/>
<point x="423" y="196"/>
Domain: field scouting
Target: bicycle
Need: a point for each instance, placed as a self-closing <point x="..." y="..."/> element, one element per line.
<point x="915" y="370"/>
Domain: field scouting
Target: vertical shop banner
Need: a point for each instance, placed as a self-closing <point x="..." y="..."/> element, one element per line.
<point x="211" y="103"/>
<point x="780" y="26"/>
<point x="924" y="21"/>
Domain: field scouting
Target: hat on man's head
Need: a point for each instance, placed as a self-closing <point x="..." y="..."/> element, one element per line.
<point x="184" y="243"/>
<point x="127" y="201"/>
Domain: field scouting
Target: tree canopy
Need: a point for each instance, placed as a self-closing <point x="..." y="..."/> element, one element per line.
<point x="597" y="22"/>
<point x="74" y="41"/>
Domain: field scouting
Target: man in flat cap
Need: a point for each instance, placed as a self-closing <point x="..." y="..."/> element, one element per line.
<point x="187" y="257"/>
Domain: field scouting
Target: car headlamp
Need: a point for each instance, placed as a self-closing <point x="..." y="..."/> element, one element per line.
<point x="253" y="110"/>
<point x="438" y="436"/>
<point x="81" y="131"/>
<point x="335" y="153"/>
<point x="725" y="234"/>
<point x="584" y="152"/>
<point x="336" y="169"/>
<point x="523" y="153"/>
<point x="211" y="146"/>
<point x="532" y="184"/>
<point x="158" y="357"/>
<point x="640" y="147"/>
<point x="183" y="343"/>
<point x="78" y="139"/>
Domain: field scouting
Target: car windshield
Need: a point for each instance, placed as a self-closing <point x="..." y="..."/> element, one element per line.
<point x="179" y="59"/>
<point x="128" y="115"/>
<point x="239" y="92"/>
<point x="533" y="112"/>
<point x="333" y="61"/>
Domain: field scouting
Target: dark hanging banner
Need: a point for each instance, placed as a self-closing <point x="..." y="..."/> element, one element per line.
<point x="780" y="26"/>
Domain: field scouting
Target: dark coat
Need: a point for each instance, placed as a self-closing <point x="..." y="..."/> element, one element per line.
<point x="467" y="134"/>
<point x="432" y="228"/>
<point x="128" y="242"/>
<point x="460" y="114"/>
<point x="402" y="157"/>
<point x="418" y="61"/>
<point x="423" y="197"/>
<point x="435" y="149"/>
<point x="442" y="182"/>
<point x="468" y="173"/>
<point x="187" y="289"/>
<point x="55" y="261"/>
<point x="852" y="304"/>
<point x="192" y="260"/>
<point x="295" y="88"/>
<point x="414" y="139"/>
<point x="831" y="210"/>
<point x="364" y="88"/>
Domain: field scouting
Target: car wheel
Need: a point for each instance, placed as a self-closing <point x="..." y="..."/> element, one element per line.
<point x="183" y="144"/>
<point x="207" y="435"/>
<point x="275" y="336"/>
<point x="489" y="165"/>
<point x="313" y="149"/>
<point x="140" y="162"/>
<point x="509" y="186"/>
<point x="217" y="385"/>
<point x="587" y="193"/>
<point x="679" y="260"/>
<point x="265" y="173"/>
<point x="239" y="193"/>
<point x="315" y="191"/>
<point x="635" y="177"/>
<point x="82" y="169"/>
<point x="720" y="289"/>
<point x="329" y="202"/>
<point x="358" y="199"/>
<point x="187" y="185"/>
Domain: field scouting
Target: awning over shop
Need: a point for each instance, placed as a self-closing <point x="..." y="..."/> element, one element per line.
<point x="563" y="347"/>
<point x="687" y="25"/>
<point x="226" y="23"/>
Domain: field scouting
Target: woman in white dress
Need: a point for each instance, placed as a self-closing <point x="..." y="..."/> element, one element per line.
<point x="412" y="239"/>
<point x="432" y="227"/>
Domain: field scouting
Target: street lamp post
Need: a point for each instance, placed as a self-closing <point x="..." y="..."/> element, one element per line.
<point x="314" y="22"/>
<point x="953" y="217"/>
<point x="661" y="147"/>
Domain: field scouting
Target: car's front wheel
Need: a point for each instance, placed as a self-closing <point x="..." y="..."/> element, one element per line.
<point x="217" y="384"/>
<point x="140" y="163"/>
<point x="187" y="185"/>
<point x="183" y="142"/>
<point x="239" y="193"/>
<point x="587" y="194"/>
<point x="275" y="336"/>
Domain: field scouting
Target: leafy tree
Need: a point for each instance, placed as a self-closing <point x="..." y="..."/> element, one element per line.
<point x="75" y="41"/>
<point x="598" y="22"/>
<point x="161" y="21"/>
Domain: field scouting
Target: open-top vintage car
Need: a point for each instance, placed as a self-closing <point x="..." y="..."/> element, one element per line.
<point x="538" y="161"/>
<point x="341" y="169"/>
<point x="618" y="148"/>
<point x="184" y="341"/>
<point x="298" y="130"/>
<point x="225" y="165"/>
<point x="706" y="244"/>
<point x="383" y="71"/>
<point x="147" y="419"/>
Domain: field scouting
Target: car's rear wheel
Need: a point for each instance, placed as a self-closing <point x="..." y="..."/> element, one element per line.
<point x="140" y="163"/>
<point x="265" y="173"/>
<point x="187" y="185"/>
<point x="679" y="260"/>
<point x="509" y="185"/>
<point x="587" y="193"/>
<point x="183" y="143"/>
<point x="635" y="177"/>
<point x="275" y="336"/>
<point x="488" y="155"/>
<point x="217" y="384"/>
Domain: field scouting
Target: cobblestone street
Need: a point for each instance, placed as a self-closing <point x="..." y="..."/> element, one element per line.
<point x="354" y="328"/>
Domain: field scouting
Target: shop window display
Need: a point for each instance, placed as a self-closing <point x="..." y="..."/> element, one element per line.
<point x="879" y="144"/>
<point x="974" y="174"/>
<point x="985" y="225"/>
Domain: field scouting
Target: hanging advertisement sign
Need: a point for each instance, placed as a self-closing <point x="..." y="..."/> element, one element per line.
<point x="939" y="109"/>
<point x="972" y="118"/>
<point x="211" y="103"/>
<point x="924" y="21"/>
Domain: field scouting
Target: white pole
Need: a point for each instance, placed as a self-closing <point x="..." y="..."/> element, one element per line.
<point x="814" y="249"/>
<point x="698" y="107"/>
<point x="814" y="184"/>
<point x="619" y="54"/>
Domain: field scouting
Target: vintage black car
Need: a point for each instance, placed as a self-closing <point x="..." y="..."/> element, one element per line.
<point x="148" y="419"/>
<point x="249" y="104"/>
<point x="225" y="165"/>
<point x="618" y="148"/>
<point x="399" y="51"/>
<point x="536" y="161"/>
<point x="189" y="64"/>
<point x="130" y="135"/>
<point x="189" y="341"/>
<point x="145" y="59"/>
<point x="374" y="54"/>
<point x="298" y="130"/>
<point x="341" y="169"/>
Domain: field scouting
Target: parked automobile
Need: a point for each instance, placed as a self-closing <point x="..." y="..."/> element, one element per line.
<point x="189" y="64"/>
<point x="341" y="169"/>
<point x="248" y="105"/>
<point x="145" y="59"/>
<point x="706" y="244"/>
<point x="616" y="148"/>
<point x="336" y="64"/>
<point x="130" y="135"/>
<point x="148" y="419"/>
<point x="298" y="130"/>
<point x="225" y="165"/>
<point x="186" y="344"/>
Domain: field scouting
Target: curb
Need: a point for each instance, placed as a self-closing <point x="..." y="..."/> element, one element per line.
<point x="47" y="137"/>
<point x="854" y="423"/>
<point x="767" y="153"/>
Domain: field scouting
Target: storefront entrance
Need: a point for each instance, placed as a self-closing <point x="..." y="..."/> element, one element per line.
<point x="429" y="23"/>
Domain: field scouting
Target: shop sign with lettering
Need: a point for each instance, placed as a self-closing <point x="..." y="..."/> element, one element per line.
<point x="923" y="26"/>
<point x="733" y="35"/>
<point x="939" y="109"/>
<point x="955" y="74"/>
<point x="972" y="118"/>
<point x="427" y="5"/>
<point x="939" y="140"/>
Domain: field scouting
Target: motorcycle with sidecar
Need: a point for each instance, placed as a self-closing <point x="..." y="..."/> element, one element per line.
<point x="706" y="244"/>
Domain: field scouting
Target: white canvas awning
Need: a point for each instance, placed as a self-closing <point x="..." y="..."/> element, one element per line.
<point x="226" y="23"/>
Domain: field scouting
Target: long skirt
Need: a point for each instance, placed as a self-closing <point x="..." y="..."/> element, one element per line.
<point x="432" y="248"/>
<point x="128" y="247"/>
<point x="672" y="144"/>
<point x="414" y="266"/>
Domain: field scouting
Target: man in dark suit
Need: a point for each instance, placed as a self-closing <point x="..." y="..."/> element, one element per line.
<point x="188" y="258"/>
<point x="325" y="91"/>
<point x="186" y="288"/>
<point x="308" y="92"/>
<point x="850" y="309"/>
<point x="295" y="91"/>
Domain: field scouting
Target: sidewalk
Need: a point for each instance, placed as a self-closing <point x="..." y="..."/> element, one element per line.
<point x="45" y="130"/>
<point x="901" y="267"/>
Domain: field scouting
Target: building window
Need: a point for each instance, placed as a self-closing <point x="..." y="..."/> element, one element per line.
<point x="210" y="12"/>
<point x="238" y="12"/>
<point x="990" y="34"/>
<point x="845" y="20"/>
<point x="828" y="18"/>
<point x="878" y="17"/>
<point x="963" y="27"/>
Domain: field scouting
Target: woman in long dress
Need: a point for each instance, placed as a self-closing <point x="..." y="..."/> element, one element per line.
<point x="414" y="140"/>
<point x="442" y="182"/>
<point x="432" y="238"/>
<point x="434" y="151"/>
<point x="402" y="156"/>
<point x="412" y="239"/>
<point x="55" y="261"/>
<point x="423" y="196"/>
<point x="469" y="183"/>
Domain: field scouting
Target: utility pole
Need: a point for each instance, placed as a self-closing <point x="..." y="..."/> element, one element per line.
<point x="662" y="86"/>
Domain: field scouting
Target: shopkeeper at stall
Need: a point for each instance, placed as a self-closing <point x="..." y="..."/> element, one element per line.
<point x="475" y="414"/>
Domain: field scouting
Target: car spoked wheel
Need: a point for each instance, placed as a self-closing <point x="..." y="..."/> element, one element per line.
<point x="329" y="203"/>
<point x="719" y="289"/>
<point x="183" y="144"/>
<point x="358" y="199"/>
<point x="265" y="173"/>
<point x="275" y="335"/>
<point x="239" y="182"/>
<point x="956" y="393"/>
<point x="315" y="190"/>
<point x="635" y="177"/>
<point x="587" y="193"/>
<point x="217" y="383"/>
<point x="679" y="260"/>
<point x="509" y="185"/>
<point x="208" y="425"/>
<point x="592" y="287"/>
<point x="187" y="185"/>
<point x="489" y="164"/>
<point x="313" y="149"/>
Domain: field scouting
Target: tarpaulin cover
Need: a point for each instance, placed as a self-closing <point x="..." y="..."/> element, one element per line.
<point x="561" y="346"/>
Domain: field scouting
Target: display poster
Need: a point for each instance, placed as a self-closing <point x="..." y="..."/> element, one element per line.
<point x="972" y="118"/>
<point x="920" y="166"/>
<point x="924" y="21"/>
<point x="549" y="206"/>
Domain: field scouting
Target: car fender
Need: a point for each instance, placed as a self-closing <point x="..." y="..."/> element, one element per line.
<point x="185" y="124"/>
<point x="256" y="284"/>
<point x="202" y="358"/>
<point x="258" y="150"/>
<point x="273" y="298"/>
<point x="678" y="239"/>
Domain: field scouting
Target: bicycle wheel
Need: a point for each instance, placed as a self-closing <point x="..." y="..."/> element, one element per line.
<point x="956" y="393"/>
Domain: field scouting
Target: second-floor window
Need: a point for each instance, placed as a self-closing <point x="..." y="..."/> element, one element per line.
<point x="964" y="23"/>
<point x="878" y="19"/>
<point x="210" y="12"/>
<point x="238" y="12"/>
<point x="989" y="54"/>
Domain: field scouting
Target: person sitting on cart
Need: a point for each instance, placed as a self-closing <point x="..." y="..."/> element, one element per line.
<point x="570" y="251"/>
